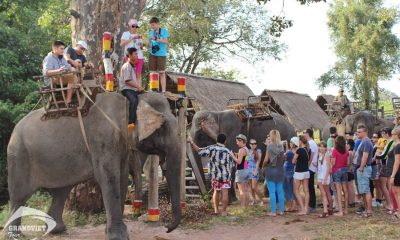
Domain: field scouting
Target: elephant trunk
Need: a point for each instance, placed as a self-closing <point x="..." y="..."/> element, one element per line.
<point x="173" y="178"/>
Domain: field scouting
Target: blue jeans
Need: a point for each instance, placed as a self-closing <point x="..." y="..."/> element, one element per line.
<point x="288" y="188"/>
<point x="132" y="96"/>
<point x="273" y="188"/>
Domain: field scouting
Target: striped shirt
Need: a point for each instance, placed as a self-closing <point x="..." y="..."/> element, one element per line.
<point x="220" y="163"/>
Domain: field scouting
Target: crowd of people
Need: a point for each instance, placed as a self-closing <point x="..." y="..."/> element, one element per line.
<point x="351" y="171"/>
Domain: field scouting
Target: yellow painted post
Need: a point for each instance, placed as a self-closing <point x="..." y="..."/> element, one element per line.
<point x="153" y="209"/>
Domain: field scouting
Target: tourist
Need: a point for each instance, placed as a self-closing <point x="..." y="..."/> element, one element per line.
<point x="130" y="39"/>
<point x="220" y="164"/>
<point x="332" y="136"/>
<point x="350" y="174"/>
<point x="340" y="164"/>
<point x="242" y="173"/>
<point x="379" y="144"/>
<point x="75" y="56"/>
<point x="324" y="179"/>
<point x="130" y="87"/>
<point x="158" y="50"/>
<point x="301" y="174"/>
<point x="288" y="167"/>
<point x="254" y="159"/>
<point x="395" y="176"/>
<point x="309" y="134"/>
<point x="386" y="170"/>
<point x="273" y="168"/>
<point x="55" y="64"/>
<point x="364" y="170"/>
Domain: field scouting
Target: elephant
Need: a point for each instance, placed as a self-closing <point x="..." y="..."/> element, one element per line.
<point x="52" y="155"/>
<point x="207" y="125"/>
<point x="351" y="122"/>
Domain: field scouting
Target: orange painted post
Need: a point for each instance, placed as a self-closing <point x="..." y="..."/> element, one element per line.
<point x="108" y="68"/>
<point x="181" y="86"/>
<point x="154" y="83"/>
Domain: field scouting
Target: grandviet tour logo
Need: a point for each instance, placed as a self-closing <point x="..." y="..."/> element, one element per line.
<point x="13" y="232"/>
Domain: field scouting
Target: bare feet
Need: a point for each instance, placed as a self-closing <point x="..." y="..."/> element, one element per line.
<point x="338" y="214"/>
<point x="301" y="213"/>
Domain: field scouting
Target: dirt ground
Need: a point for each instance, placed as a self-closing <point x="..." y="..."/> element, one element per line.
<point x="261" y="228"/>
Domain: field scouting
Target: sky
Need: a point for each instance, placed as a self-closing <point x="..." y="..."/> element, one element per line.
<point x="310" y="53"/>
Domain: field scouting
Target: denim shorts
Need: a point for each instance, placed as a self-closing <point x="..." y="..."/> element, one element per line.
<point x="242" y="176"/>
<point x="340" y="176"/>
<point x="251" y="173"/>
<point x="363" y="180"/>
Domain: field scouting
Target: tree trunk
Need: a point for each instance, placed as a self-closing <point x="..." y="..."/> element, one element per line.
<point x="90" y="19"/>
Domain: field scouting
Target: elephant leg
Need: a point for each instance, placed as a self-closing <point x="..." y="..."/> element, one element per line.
<point x="18" y="198"/>
<point x="108" y="176"/>
<point x="59" y="195"/>
<point x="124" y="182"/>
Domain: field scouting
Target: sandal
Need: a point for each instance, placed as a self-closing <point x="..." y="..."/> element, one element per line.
<point x="330" y="212"/>
<point x="323" y="215"/>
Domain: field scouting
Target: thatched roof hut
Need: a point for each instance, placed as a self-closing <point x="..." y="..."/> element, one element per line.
<point x="324" y="99"/>
<point x="301" y="111"/>
<point x="208" y="93"/>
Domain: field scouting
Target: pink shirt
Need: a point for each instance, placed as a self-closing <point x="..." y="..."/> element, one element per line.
<point x="341" y="160"/>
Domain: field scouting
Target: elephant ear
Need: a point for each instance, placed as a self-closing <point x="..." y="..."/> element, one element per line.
<point x="149" y="120"/>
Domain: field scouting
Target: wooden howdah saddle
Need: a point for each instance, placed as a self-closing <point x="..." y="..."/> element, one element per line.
<point x="53" y="97"/>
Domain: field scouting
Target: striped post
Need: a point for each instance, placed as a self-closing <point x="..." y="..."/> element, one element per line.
<point x="154" y="82"/>
<point x="108" y="68"/>
<point x="153" y="209"/>
<point x="182" y="86"/>
<point x="136" y="207"/>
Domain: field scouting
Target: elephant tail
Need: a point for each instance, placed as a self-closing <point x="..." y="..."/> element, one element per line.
<point x="171" y="227"/>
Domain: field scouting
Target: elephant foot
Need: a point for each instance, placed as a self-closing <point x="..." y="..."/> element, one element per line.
<point x="117" y="234"/>
<point x="60" y="228"/>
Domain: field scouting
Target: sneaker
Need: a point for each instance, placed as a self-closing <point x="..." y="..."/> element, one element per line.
<point x="311" y="210"/>
<point x="360" y="210"/>
<point x="131" y="127"/>
<point x="374" y="203"/>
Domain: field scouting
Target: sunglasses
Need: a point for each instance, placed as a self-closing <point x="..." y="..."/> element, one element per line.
<point x="374" y="137"/>
<point x="82" y="48"/>
<point x="253" y="143"/>
<point x="134" y="26"/>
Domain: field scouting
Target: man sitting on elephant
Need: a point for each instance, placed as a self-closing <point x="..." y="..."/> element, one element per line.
<point x="129" y="86"/>
<point x="220" y="167"/>
<point x="344" y="102"/>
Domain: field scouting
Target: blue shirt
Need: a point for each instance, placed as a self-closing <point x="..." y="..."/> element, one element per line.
<point x="288" y="165"/>
<point x="162" y="33"/>
<point x="356" y="144"/>
<point x="365" y="146"/>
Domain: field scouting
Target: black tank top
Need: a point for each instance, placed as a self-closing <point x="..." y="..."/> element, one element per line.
<point x="241" y="165"/>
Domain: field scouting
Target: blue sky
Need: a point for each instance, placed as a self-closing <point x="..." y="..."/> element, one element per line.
<point x="309" y="55"/>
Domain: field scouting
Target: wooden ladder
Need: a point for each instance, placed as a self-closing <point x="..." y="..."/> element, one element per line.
<point x="197" y="187"/>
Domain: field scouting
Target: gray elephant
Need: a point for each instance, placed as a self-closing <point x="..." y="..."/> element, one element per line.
<point x="207" y="125"/>
<point x="351" y="122"/>
<point x="52" y="155"/>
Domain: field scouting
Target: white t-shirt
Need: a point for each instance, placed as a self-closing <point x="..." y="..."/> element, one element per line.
<point x="134" y="43"/>
<point x="314" y="153"/>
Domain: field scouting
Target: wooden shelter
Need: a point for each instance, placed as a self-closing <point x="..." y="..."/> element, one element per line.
<point x="300" y="110"/>
<point x="324" y="99"/>
<point x="208" y="93"/>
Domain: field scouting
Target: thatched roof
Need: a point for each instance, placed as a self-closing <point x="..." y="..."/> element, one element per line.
<point x="324" y="99"/>
<point x="209" y="93"/>
<point x="301" y="111"/>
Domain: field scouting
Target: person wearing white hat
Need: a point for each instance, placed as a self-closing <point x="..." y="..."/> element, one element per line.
<point x="131" y="39"/>
<point x="75" y="56"/>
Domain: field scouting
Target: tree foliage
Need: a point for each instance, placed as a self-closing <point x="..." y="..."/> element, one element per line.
<point x="213" y="30"/>
<point x="365" y="45"/>
<point x="26" y="33"/>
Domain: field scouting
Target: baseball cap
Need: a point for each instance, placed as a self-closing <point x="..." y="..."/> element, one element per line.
<point x="295" y="141"/>
<point x="133" y="22"/>
<point x="242" y="137"/>
<point x="83" y="44"/>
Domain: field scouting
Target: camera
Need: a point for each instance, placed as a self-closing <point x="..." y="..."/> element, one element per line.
<point x="155" y="48"/>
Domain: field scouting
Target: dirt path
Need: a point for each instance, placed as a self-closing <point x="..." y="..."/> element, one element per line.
<point x="288" y="227"/>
